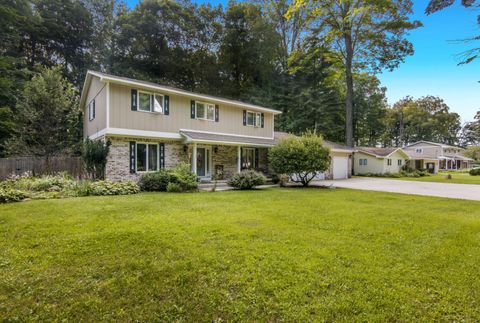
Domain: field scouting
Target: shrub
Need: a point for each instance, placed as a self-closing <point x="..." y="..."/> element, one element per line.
<point x="174" y="188"/>
<point x="275" y="178"/>
<point x="94" y="155"/>
<point x="157" y="181"/>
<point x="181" y="175"/>
<point x="185" y="178"/>
<point x="300" y="156"/>
<point x="11" y="195"/>
<point x="114" y="188"/>
<point x="474" y="172"/>
<point x="247" y="180"/>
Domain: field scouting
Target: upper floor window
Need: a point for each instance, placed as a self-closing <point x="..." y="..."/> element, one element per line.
<point x="254" y="119"/>
<point x="399" y="162"/>
<point x="419" y="150"/>
<point x="91" y="110"/>
<point x="204" y="111"/>
<point x="151" y="102"/>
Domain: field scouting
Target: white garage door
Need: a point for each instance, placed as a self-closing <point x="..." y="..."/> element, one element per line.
<point x="340" y="167"/>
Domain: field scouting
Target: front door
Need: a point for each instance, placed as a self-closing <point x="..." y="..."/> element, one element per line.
<point x="203" y="162"/>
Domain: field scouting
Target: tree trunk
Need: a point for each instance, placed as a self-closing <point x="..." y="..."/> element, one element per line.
<point x="349" y="99"/>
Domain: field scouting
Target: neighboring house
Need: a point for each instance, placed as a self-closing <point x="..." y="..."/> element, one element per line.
<point x="152" y="126"/>
<point x="372" y="160"/>
<point x="341" y="159"/>
<point x="434" y="156"/>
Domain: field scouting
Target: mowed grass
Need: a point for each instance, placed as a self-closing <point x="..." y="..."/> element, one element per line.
<point x="269" y="255"/>
<point x="457" y="178"/>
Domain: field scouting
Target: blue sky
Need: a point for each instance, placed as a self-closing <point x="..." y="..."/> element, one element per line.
<point x="433" y="69"/>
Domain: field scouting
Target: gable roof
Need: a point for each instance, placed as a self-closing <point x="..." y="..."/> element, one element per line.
<point x="167" y="90"/>
<point x="381" y="152"/>
<point x="431" y="143"/>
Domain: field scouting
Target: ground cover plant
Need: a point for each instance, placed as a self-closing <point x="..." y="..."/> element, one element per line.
<point x="277" y="254"/>
<point x="18" y="188"/>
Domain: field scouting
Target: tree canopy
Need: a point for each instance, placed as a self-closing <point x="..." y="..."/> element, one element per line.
<point x="315" y="61"/>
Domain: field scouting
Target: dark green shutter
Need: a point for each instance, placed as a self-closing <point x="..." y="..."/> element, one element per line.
<point x="216" y="112"/>
<point x="244" y="117"/>
<point x="256" y="158"/>
<point x="161" y="148"/>
<point x="134" y="100"/>
<point x="166" y="101"/>
<point x="132" y="156"/>
<point x="262" y="118"/>
<point x="192" y="109"/>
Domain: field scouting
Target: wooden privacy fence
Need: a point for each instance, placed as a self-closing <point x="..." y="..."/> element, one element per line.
<point x="42" y="166"/>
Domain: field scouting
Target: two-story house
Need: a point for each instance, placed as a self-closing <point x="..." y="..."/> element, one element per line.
<point x="434" y="156"/>
<point x="151" y="126"/>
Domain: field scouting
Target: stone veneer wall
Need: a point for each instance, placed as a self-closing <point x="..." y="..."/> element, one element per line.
<point x="118" y="160"/>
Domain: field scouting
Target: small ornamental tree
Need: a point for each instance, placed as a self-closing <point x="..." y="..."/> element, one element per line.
<point x="94" y="155"/>
<point x="300" y="157"/>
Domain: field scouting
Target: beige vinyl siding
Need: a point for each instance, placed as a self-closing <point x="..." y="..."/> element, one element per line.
<point x="230" y="118"/>
<point x="394" y="168"/>
<point x="97" y="91"/>
<point x="428" y="150"/>
<point x="374" y="164"/>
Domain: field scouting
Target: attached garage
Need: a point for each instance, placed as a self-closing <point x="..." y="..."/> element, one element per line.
<point x="340" y="167"/>
<point x="341" y="163"/>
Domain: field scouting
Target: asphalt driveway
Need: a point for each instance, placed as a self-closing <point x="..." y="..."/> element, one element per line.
<point x="456" y="191"/>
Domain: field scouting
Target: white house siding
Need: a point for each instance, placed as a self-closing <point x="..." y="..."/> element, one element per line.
<point x="394" y="168"/>
<point x="374" y="164"/>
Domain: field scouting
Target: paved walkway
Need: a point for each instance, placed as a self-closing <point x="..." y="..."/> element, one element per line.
<point x="456" y="191"/>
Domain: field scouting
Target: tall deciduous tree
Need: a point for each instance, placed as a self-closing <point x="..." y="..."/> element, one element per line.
<point x="365" y="34"/>
<point x="47" y="116"/>
<point x="428" y="118"/>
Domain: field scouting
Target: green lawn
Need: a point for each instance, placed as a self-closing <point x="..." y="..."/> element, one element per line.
<point x="457" y="178"/>
<point x="270" y="255"/>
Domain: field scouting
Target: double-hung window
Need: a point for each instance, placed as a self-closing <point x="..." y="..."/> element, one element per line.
<point x="399" y="162"/>
<point x="205" y="111"/>
<point x="254" y="119"/>
<point x="151" y="102"/>
<point x="389" y="162"/>
<point x="146" y="157"/>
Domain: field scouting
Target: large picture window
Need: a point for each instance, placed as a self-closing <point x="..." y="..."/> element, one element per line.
<point x="254" y="119"/>
<point x="147" y="157"/>
<point x="150" y="102"/>
<point x="204" y="111"/>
